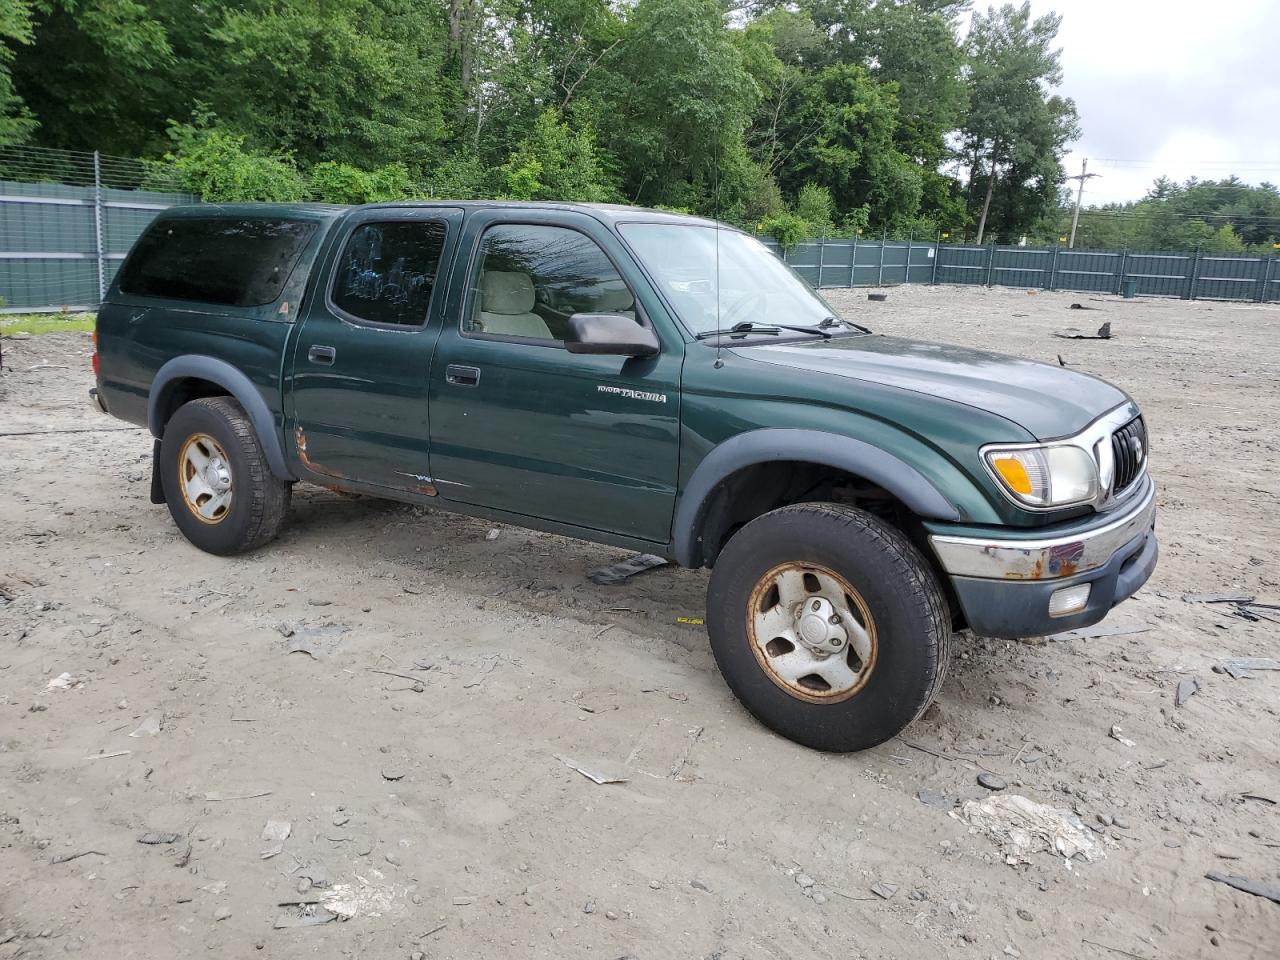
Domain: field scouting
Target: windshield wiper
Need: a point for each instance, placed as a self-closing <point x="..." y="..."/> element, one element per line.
<point x="747" y="326"/>
<point x="829" y="322"/>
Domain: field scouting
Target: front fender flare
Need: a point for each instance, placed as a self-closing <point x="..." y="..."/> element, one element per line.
<point x="807" y="446"/>
<point x="232" y="380"/>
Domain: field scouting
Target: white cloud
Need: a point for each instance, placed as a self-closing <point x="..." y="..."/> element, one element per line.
<point x="1172" y="87"/>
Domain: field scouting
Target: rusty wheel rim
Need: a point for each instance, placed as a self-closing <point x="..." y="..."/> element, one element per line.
<point x="204" y="477"/>
<point x="811" y="632"/>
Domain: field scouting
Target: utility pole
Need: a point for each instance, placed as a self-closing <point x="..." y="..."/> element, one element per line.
<point x="1082" y="176"/>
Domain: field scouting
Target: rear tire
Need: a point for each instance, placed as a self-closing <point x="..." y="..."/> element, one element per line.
<point x="220" y="491"/>
<point x="828" y="625"/>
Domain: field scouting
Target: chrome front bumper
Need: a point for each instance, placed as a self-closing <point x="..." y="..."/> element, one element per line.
<point x="1050" y="558"/>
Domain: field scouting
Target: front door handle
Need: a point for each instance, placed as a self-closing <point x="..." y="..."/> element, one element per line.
<point x="462" y="376"/>
<point x="318" y="353"/>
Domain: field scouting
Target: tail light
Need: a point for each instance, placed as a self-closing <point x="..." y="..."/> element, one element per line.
<point x="95" y="352"/>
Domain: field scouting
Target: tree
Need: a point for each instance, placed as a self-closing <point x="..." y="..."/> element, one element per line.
<point x="556" y="163"/>
<point x="16" y="121"/>
<point x="839" y="135"/>
<point x="217" y="167"/>
<point x="673" y="106"/>
<point x="1016" y="130"/>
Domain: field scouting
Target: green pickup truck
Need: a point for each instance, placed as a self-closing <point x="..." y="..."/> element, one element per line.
<point x="657" y="382"/>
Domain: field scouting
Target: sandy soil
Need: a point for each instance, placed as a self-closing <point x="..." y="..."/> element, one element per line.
<point x="440" y="812"/>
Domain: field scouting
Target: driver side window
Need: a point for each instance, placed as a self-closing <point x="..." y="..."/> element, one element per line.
<point x="533" y="278"/>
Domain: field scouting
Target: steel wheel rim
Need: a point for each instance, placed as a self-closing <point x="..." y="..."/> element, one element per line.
<point x="812" y="661"/>
<point x="204" y="478"/>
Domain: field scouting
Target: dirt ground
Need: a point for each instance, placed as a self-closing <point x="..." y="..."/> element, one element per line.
<point x="443" y="813"/>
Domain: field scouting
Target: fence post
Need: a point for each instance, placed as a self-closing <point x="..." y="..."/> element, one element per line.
<point x="1264" y="278"/>
<point x="906" y="277"/>
<point x="1053" y="269"/>
<point x="937" y="255"/>
<point x="880" y="276"/>
<point x="853" y="264"/>
<point x="1124" y="263"/>
<point x="822" y="252"/>
<point x="991" y="264"/>
<point x="1195" y="275"/>
<point x="97" y="226"/>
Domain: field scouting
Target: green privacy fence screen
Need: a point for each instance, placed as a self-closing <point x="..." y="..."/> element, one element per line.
<point x="1190" y="276"/>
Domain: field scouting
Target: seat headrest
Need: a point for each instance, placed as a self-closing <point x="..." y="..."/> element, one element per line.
<point x="506" y="292"/>
<point x="614" y="295"/>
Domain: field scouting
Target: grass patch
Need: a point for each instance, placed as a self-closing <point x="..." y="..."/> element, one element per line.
<point x="36" y="323"/>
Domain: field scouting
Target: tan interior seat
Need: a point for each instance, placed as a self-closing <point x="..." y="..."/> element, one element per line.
<point x="614" y="297"/>
<point x="506" y="306"/>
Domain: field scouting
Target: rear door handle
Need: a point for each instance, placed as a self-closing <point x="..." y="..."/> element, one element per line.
<point x="462" y="376"/>
<point x="322" y="354"/>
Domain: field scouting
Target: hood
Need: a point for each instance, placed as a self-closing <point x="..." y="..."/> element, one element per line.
<point x="1048" y="401"/>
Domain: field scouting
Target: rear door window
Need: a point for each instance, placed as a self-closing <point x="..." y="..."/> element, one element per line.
<point x="387" y="271"/>
<point x="230" y="262"/>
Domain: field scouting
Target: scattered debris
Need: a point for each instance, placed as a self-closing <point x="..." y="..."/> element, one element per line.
<point x="307" y="915"/>
<point x="67" y="858"/>
<point x="222" y="913"/>
<point x="402" y="676"/>
<point x="1216" y="598"/>
<point x="1075" y="333"/>
<point x="1101" y="630"/>
<point x="223" y="798"/>
<point x="492" y="534"/>
<point x="681" y="760"/>
<point x="108" y="756"/>
<point x="692" y="621"/>
<point x="1239" y="668"/>
<point x="484" y="672"/>
<point x="884" y="890"/>
<point x="302" y="645"/>
<point x="1081" y="306"/>
<point x="392" y="773"/>
<point x="1270" y="891"/>
<point x="277" y="830"/>
<point x="149" y="727"/>
<point x="64" y="681"/>
<point x="877" y="297"/>
<point x="592" y="775"/>
<point x="1188" y="687"/>
<point x="360" y="899"/>
<point x="272" y="851"/>
<point x="1118" y="735"/>
<point x="936" y="799"/>
<point x="625" y="570"/>
<point x="1022" y="827"/>
<point x="156" y="839"/>
<point x="991" y="782"/>
<point x="1257" y="796"/>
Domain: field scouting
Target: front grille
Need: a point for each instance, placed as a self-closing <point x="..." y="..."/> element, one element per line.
<point x="1129" y="447"/>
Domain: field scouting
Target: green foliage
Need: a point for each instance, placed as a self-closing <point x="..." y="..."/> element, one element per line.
<point x="16" y="120"/>
<point x="814" y="207"/>
<point x="216" y="166"/>
<point x="1222" y="216"/>
<point x="555" y="163"/>
<point x="1015" y="131"/>
<point x="788" y="229"/>
<point x="333" y="182"/>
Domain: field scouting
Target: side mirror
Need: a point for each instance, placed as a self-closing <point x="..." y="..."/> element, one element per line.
<point x="609" y="333"/>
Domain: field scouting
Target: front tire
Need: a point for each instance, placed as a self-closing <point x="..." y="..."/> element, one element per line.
<point x="220" y="491"/>
<point x="828" y="625"/>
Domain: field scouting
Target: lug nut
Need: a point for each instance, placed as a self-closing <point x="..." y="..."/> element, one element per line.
<point x="817" y="604"/>
<point x="835" y="619"/>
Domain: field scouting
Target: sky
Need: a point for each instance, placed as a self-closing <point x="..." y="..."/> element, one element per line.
<point x="1175" y="87"/>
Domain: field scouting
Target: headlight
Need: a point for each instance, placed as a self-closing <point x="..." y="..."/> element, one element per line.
<point x="1048" y="476"/>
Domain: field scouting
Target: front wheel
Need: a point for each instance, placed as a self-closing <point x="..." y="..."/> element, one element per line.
<point x="220" y="491"/>
<point x="828" y="625"/>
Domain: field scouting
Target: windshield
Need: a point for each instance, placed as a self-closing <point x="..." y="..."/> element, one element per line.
<point x="755" y="287"/>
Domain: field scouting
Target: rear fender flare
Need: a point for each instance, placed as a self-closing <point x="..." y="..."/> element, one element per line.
<point x="807" y="446"/>
<point x="236" y="384"/>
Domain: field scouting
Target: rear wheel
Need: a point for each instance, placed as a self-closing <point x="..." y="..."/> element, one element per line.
<point x="828" y="625"/>
<point x="220" y="491"/>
